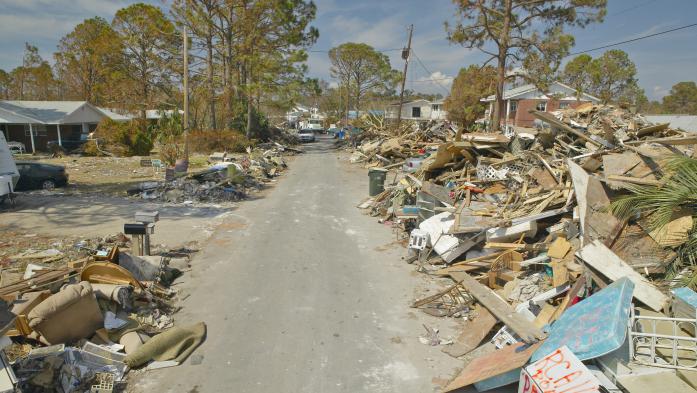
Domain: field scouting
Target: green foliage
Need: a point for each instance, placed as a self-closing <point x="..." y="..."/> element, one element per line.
<point x="577" y="74"/>
<point x="208" y="141"/>
<point x="682" y="99"/>
<point x="610" y="77"/>
<point x="362" y="70"/>
<point x="151" y="48"/>
<point x="659" y="204"/>
<point x="34" y="79"/>
<point x="85" y="58"/>
<point x="168" y="131"/>
<point x="471" y="84"/>
<point x="530" y="33"/>
<point x="613" y="77"/>
<point x="122" y="138"/>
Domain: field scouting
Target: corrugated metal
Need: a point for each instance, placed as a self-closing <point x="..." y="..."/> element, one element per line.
<point x="683" y="122"/>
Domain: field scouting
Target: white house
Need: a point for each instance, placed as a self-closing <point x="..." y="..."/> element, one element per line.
<point x="418" y="110"/>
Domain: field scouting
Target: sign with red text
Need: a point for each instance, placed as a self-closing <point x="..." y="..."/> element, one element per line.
<point x="558" y="372"/>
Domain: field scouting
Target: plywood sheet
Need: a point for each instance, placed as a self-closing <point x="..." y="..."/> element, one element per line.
<point x="498" y="362"/>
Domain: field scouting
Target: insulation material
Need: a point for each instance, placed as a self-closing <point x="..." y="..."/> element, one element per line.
<point x="447" y="246"/>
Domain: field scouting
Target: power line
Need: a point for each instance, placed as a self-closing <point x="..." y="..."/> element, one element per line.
<point x="633" y="39"/>
<point x="418" y="60"/>
<point x="377" y="50"/>
<point x="449" y="78"/>
<point x="632" y="8"/>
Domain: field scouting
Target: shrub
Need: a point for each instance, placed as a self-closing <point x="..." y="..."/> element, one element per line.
<point x="208" y="141"/>
<point x="129" y="138"/>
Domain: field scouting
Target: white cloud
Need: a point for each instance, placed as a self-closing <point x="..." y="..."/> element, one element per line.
<point x="436" y="83"/>
<point x="660" y="92"/>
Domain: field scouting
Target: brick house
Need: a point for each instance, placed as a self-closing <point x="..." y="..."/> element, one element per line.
<point x="519" y="101"/>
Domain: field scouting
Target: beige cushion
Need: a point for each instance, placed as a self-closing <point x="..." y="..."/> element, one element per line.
<point x="67" y="316"/>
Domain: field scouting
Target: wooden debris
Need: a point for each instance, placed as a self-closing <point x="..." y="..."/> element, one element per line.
<point x="528" y="332"/>
<point x="610" y="265"/>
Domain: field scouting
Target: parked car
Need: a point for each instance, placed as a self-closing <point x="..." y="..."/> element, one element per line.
<point x="333" y="131"/>
<point x="306" y="136"/>
<point x="35" y="175"/>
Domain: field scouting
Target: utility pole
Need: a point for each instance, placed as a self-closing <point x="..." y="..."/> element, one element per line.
<point x="186" y="93"/>
<point x="405" y="55"/>
<point x="348" y="100"/>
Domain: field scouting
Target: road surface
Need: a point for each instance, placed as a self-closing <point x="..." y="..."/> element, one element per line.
<point x="302" y="292"/>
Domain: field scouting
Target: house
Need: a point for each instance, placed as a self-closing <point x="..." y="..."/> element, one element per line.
<point x="35" y="123"/>
<point x="519" y="101"/>
<point x="418" y="110"/>
<point x="684" y="122"/>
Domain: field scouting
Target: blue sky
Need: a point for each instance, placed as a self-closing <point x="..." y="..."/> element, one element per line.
<point x="661" y="61"/>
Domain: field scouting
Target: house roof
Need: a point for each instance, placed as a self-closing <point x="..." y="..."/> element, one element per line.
<point x="43" y="111"/>
<point x="114" y="115"/>
<point x="683" y="122"/>
<point x="520" y="90"/>
<point x="10" y="117"/>
<point x="49" y="112"/>
<point x="409" y="102"/>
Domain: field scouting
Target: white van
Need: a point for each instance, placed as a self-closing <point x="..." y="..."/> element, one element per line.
<point x="8" y="170"/>
<point x="312" y="124"/>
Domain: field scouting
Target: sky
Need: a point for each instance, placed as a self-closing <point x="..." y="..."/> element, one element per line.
<point x="661" y="61"/>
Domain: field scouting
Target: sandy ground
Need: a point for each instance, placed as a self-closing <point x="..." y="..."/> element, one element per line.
<point x="92" y="215"/>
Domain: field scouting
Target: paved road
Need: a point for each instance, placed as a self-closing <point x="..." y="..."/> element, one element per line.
<point x="303" y="293"/>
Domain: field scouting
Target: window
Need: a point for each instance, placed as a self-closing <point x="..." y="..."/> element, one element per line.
<point x="563" y="105"/>
<point x="542" y="106"/>
<point x="514" y="106"/>
<point x="416" y="111"/>
<point x="435" y="107"/>
<point x="39" y="129"/>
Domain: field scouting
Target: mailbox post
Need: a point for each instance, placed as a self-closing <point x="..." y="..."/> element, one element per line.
<point x="141" y="231"/>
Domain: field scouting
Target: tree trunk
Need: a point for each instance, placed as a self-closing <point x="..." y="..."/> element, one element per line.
<point x="246" y="76"/>
<point x="209" y="77"/>
<point x="501" y="66"/>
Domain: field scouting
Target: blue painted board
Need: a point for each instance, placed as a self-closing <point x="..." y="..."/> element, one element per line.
<point x="687" y="295"/>
<point x="593" y="327"/>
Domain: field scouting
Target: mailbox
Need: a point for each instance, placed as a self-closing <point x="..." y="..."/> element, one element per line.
<point x="135" y="229"/>
<point x="148" y="217"/>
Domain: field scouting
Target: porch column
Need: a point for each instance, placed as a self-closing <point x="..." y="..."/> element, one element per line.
<point x="60" y="141"/>
<point x="508" y="112"/>
<point x="31" y="135"/>
<point x="491" y="115"/>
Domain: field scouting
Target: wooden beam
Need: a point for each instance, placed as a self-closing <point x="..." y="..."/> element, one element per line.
<point x="527" y="331"/>
<point x="601" y="258"/>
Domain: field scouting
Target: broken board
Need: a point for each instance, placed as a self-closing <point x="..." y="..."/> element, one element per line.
<point x="525" y="329"/>
<point x="473" y="332"/>
<point x="598" y="256"/>
<point x="490" y="365"/>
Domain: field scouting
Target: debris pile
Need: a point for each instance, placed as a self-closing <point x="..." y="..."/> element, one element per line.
<point x="572" y="238"/>
<point x="77" y="320"/>
<point x="228" y="179"/>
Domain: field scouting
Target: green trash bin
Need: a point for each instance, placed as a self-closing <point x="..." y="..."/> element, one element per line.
<point x="376" y="181"/>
